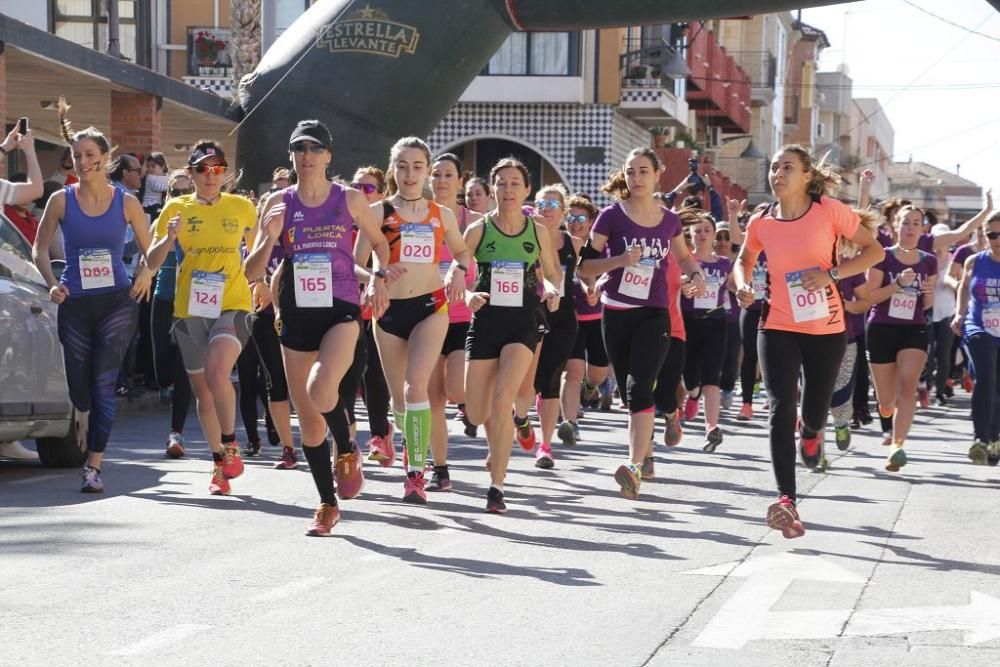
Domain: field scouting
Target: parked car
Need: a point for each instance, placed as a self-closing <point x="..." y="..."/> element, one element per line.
<point x="34" y="398"/>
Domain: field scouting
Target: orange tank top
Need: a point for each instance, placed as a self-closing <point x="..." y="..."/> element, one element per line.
<point x="414" y="242"/>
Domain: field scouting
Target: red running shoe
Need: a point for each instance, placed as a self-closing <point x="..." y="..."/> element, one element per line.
<point x="746" y="413"/>
<point x="811" y="450"/>
<point x="413" y="489"/>
<point x="288" y="461"/>
<point x="923" y="397"/>
<point x="232" y="462"/>
<point x="783" y="516"/>
<point x="219" y="486"/>
<point x="690" y="408"/>
<point x="348" y="475"/>
<point x="327" y="516"/>
<point x="525" y="436"/>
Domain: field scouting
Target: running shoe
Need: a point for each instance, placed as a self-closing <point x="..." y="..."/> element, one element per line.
<point x="327" y="516"/>
<point x="727" y="400"/>
<point x="175" y="445"/>
<point x="544" y="458"/>
<point x="525" y="435"/>
<point x="712" y="440"/>
<point x="605" y="396"/>
<point x="252" y="448"/>
<point x="993" y="455"/>
<point x="978" y="453"/>
<point x="673" y="433"/>
<point x="967" y="384"/>
<point x="348" y="475"/>
<point x="843" y="437"/>
<point x="382" y="450"/>
<point x="440" y="480"/>
<point x="92" y="482"/>
<point x="460" y="414"/>
<point x="865" y="417"/>
<point x="494" y="501"/>
<point x="940" y="400"/>
<point x="896" y="459"/>
<point x="413" y="489"/>
<point x="470" y="429"/>
<point x="949" y="388"/>
<point x="690" y="408"/>
<point x="811" y="450"/>
<point x="648" y="468"/>
<point x="580" y="414"/>
<point x="746" y="413"/>
<point x="273" y="437"/>
<point x="288" y="460"/>
<point x="629" y="479"/>
<point x="783" y="516"/>
<point x="886" y="438"/>
<point x="567" y="433"/>
<point x="219" y="486"/>
<point x="232" y="463"/>
<point x="923" y="397"/>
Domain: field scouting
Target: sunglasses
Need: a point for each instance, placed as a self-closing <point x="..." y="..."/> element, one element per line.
<point x="722" y="236"/>
<point x="367" y="188"/>
<point x="543" y="204"/>
<point x="576" y="219"/>
<point x="993" y="236"/>
<point x="217" y="169"/>
<point x="303" y="146"/>
<point x="175" y="192"/>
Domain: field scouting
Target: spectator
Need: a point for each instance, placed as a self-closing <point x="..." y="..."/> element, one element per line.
<point x="154" y="184"/>
<point x="21" y="193"/>
<point x="65" y="175"/>
<point x="281" y="178"/>
<point x="21" y="215"/>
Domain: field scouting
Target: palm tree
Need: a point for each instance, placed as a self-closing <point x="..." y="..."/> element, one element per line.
<point x="245" y="45"/>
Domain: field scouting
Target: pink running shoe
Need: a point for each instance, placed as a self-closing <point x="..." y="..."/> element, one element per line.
<point x="348" y="475"/>
<point x="413" y="489"/>
<point x="691" y="408"/>
<point x="746" y="413"/>
<point x="783" y="516"/>
<point x="544" y="458"/>
<point x="382" y="450"/>
<point x="288" y="460"/>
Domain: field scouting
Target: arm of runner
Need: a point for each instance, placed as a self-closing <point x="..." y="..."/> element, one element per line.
<point x="369" y="222"/>
<point x="861" y="303"/>
<point x="963" y="296"/>
<point x="143" y="278"/>
<point x="735" y="208"/>
<point x="454" y="281"/>
<point x="592" y="265"/>
<point x="164" y="237"/>
<point x="272" y="221"/>
<point x="871" y="254"/>
<point x="688" y="264"/>
<point x="966" y="229"/>
<point x="551" y="271"/>
<point x="866" y="178"/>
<point x="473" y="235"/>
<point x="54" y="211"/>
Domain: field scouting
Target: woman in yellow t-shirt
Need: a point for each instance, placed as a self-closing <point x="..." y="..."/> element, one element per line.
<point x="212" y="302"/>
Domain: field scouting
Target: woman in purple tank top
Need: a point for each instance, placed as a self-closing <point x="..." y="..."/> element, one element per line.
<point x="96" y="297"/>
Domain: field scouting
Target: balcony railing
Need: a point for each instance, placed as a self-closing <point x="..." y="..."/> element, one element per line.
<point x="718" y="87"/>
<point x="644" y="63"/>
<point x="760" y="66"/>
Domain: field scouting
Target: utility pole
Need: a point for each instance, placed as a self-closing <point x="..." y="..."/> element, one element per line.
<point x="114" y="49"/>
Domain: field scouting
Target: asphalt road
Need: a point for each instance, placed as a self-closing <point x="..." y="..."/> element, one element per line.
<point x="896" y="569"/>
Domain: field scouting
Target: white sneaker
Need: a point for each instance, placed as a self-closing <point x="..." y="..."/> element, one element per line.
<point x="727" y="400"/>
<point x="15" y="450"/>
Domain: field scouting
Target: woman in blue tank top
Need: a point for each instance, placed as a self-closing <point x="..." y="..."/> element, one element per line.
<point x="977" y="320"/>
<point x="97" y="310"/>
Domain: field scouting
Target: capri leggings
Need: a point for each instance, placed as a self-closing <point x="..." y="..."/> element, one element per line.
<point x="706" y="347"/>
<point x="782" y="355"/>
<point x="637" y="340"/>
<point x="268" y="345"/>
<point x="986" y="394"/>
<point x="731" y="362"/>
<point x="253" y="385"/>
<point x="665" y="393"/>
<point x="589" y="344"/>
<point x="841" y="405"/>
<point x="749" y="321"/>
<point x="556" y="348"/>
<point x="168" y="364"/>
<point x="348" y="389"/>
<point x="376" y="391"/>
<point x="95" y="332"/>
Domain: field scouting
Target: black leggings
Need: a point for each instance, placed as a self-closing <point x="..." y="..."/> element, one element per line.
<point x="637" y="340"/>
<point x="862" y="380"/>
<point x="167" y="362"/>
<point x="95" y="332"/>
<point x="706" y="347"/>
<point x="782" y="355"/>
<point x="939" y="359"/>
<point x="556" y="347"/>
<point x="986" y="394"/>
<point x="730" y="365"/>
<point x="749" y="321"/>
<point x="265" y="340"/>
<point x="376" y="391"/>
<point x="253" y="385"/>
<point x="348" y="388"/>
<point x="665" y="393"/>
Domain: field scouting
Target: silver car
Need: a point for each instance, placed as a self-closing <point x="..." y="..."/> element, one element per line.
<point x="34" y="399"/>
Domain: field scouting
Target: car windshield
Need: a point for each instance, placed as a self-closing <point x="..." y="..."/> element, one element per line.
<point x="15" y="253"/>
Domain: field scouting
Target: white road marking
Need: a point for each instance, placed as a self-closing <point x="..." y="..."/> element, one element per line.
<point x="154" y="641"/>
<point x="980" y="620"/>
<point x="289" y="590"/>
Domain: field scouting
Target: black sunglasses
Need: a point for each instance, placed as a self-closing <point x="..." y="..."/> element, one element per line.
<point x="993" y="236"/>
<point x="303" y="146"/>
<point x="177" y="192"/>
<point x="367" y="188"/>
<point x="722" y="236"/>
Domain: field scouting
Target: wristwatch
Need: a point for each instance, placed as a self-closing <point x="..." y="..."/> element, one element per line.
<point x="834" y="275"/>
<point x="379" y="274"/>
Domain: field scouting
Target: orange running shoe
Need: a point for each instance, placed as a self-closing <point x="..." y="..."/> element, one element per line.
<point x="232" y="463"/>
<point x="327" y="516"/>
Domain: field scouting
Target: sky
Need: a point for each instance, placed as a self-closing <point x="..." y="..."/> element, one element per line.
<point x="939" y="85"/>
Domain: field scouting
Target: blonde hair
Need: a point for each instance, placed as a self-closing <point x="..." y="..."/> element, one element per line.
<point x="557" y="189"/>
<point x="824" y="179"/>
<point x="394" y="153"/>
<point x="870" y="220"/>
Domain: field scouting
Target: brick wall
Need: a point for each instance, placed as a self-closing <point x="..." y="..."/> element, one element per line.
<point x="135" y="122"/>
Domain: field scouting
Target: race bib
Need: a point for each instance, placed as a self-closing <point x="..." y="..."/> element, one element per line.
<point x="637" y="279"/>
<point x="991" y="319"/>
<point x="562" y="283"/>
<point x="206" y="294"/>
<point x="759" y="282"/>
<point x="806" y="305"/>
<point x="507" y="284"/>
<point x="903" y="304"/>
<point x="416" y="243"/>
<point x="710" y="297"/>
<point x="313" y="281"/>
<point x="95" y="268"/>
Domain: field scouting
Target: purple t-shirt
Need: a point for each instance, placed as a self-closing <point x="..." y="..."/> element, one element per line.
<point x="963" y="253"/>
<point x="326" y="230"/>
<point x="584" y="311"/>
<point x="905" y="306"/>
<point x="644" y="284"/>
<point x="759" y="281"/>
<point x="715" y="274"/>
<point x="884" y="237"/>
<point x="926" y="243"/>
<point x="855" y="322"/>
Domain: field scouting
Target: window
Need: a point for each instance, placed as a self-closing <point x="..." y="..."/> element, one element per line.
<point x="86" y="22"/>
<point x="537" y="54"/>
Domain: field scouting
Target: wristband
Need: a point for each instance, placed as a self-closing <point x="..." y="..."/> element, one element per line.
<point x="460" y="267"/>
<point x="379" y="274"/>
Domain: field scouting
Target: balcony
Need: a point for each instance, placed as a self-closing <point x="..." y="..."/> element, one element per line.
<point x="762" y="68"/>
<point x="718" y="88"/>
<point x="209" y="65"/>
<point x="648" y="95"/>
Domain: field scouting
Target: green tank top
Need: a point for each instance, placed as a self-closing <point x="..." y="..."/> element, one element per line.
<point x="495" y="246"/>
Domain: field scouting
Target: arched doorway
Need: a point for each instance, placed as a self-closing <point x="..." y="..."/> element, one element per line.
<point x="481" y="153"/>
